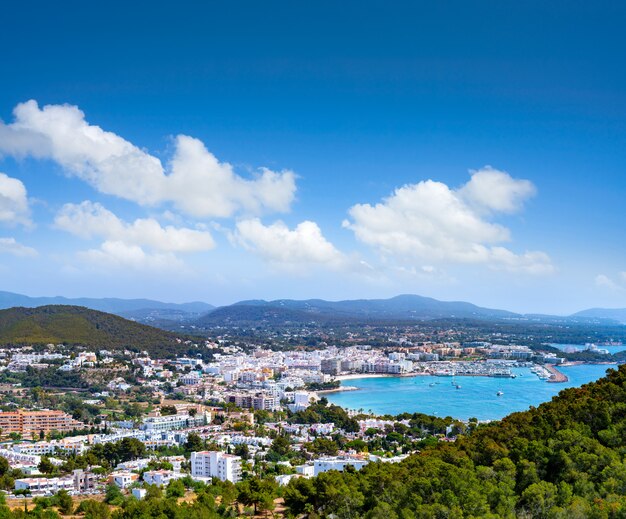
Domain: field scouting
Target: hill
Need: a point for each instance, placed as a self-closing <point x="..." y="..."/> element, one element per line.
<point x="78" y="325"/>
<point x="400" y="308"/>
<point x="564" y="459"/>
<point x="138" y="309"/>
<point x="615" y="314"/>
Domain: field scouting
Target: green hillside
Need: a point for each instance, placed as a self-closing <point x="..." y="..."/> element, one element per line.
<point x="564" y="459"/>
<point x="78" y="325"/>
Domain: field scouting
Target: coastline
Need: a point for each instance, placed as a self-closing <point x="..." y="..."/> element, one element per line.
<point x="353" y="376"/>
<point x="581" y="362"/>
<point x="337" y="390"/>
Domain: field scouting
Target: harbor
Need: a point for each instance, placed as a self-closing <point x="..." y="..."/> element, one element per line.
<point x="478" y="397"/>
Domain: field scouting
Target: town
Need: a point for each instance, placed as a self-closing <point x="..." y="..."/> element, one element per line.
<point x="117" y="422"/>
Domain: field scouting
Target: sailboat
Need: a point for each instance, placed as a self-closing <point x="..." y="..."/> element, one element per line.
<point x="500" y="393"/>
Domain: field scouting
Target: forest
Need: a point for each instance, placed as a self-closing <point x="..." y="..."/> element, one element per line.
<point x="563" y="459"/>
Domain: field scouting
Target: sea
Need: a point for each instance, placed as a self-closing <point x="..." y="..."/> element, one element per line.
<point x="477" y="396"/>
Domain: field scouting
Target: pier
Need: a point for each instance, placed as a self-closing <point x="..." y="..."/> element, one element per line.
<point x="555" y="375"/>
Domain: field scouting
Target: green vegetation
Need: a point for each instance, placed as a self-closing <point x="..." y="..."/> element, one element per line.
<point x="564" y="459"/>
<point x="75" y="325"/>
<point x="321" y="412"/>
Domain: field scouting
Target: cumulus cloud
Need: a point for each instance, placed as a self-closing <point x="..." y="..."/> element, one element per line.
<point x="616" y="284"/>
<point x="11" y="246"/>
<point x="279" y="245"/>
<point x="195" y="181"/>
<point x="429" y="221"/>
<point x="14" y="207"/>
<point x="602" y="280"/>
<point x="89" y="220"/>
<point x="496" y="191"/>
<point x="117" y="255"/>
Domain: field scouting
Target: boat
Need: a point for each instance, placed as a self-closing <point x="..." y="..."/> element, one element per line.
<point x="431" y="384"/>
<point x="458" y="386"/>
<point x="500" y="393"/>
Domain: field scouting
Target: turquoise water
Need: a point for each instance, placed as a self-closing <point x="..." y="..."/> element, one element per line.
<point x="581" y="347"/>
<point x="476" y="398"/>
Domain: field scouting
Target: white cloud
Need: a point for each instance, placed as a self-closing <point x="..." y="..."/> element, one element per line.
<point x="429" y="221"/>
<point x="120" y="255"/>
<point x="602" y="280"/>
<point x="10" y="246"/>
<point x="89" y="220"/>
<point x="14" y="207"/>
<point x="496" y="191"/>
<point x="195" y="182"/>
<point x="276" y="243"/>
<point x="615" y="285"/>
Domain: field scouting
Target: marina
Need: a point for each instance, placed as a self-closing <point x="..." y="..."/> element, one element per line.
<point x="483" y="397"/>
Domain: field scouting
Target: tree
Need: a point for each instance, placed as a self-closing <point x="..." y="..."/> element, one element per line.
<point x="281" y="445"/>
<point x="168" y="410"/>
<point x="153" y="492"/>
<point x="194" y="443"/>
<point x="4" y="466"/>
<point x="113" y="495"/>
<point x="175" y="488"/>
<point x="64" y="502"/>
<point x="46" y="466"/>
<point x="242" y="451"/>
<point x="257" y="492"/>
<point x="93" y="509"/>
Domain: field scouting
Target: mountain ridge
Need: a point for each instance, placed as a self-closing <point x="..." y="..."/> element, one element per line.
<point x="400" y="307"/>
<point x="113" y="305"/>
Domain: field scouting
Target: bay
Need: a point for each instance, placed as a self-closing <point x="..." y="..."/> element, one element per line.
<point x="477" y="396"/>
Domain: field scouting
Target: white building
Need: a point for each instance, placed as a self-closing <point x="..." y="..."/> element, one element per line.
<point x="161" y="478"/>
<point x="340" y="464"/>
<point x="43" y="448"/>
<point x="216" y="464"/>
<point x="45" y="485"/>
<point x="172" y="422"/>
<point x="124" y="479"/>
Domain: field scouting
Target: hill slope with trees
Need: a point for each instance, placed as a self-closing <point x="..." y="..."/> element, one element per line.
<point x="564" y="459"/>
<point x="75" y="325"/>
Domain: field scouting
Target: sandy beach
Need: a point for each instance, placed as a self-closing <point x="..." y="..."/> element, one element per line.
<point x="353" y="376"/>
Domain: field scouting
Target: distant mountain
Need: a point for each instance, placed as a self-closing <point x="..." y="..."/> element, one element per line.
<point x="403" y="307"/>
<point x="142" y="310"/>
<point x="615" y="314"/>
<point x="241" y="314"/>
<point x="78" y="325"/>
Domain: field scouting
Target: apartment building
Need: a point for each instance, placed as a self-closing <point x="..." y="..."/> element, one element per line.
<point x="173" y="422"/>
<point x="51" y="447"/>
<point x="45" y="485"/>
<point x="28" y="423"/>
<point x="330" y="366"/>
<point x="84" y="481"/>
<point x="264" y="401"/>
<point x="216" y="464"/>
<point x="161" y="478"/>
<point x="338" y="463"/>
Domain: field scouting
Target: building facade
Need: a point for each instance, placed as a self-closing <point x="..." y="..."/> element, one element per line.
<point x="216" y="464"/>
<point x="28" y="423"/>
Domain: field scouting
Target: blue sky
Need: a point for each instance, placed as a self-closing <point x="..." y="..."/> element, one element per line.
<point x="220" y="151"/>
